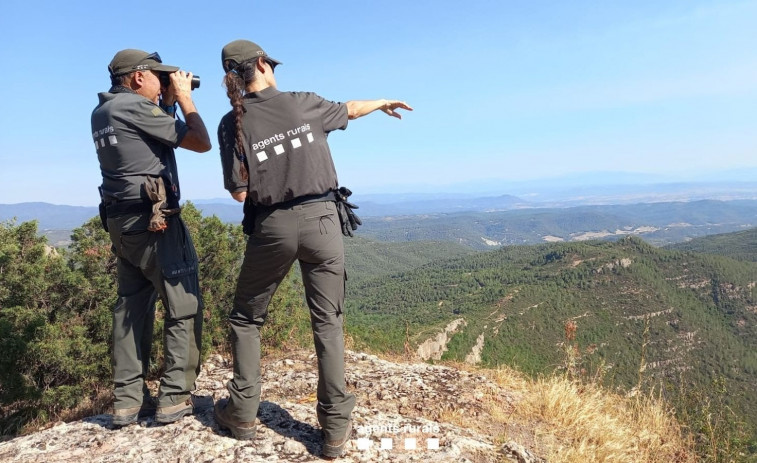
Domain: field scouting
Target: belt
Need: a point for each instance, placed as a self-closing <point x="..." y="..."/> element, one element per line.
<point x="129" y="206"/>
<point x="328" y="196"/>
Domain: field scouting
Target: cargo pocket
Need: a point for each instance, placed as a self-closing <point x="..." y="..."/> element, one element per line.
<point x="178" y="263"/>
<point x="182" y="290"/>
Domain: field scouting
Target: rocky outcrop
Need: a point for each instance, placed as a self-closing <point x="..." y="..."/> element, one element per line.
<point x="474" y="357"/>
<point x="405" y="412"/>
<point x="432" y="349"/>
<point x="622" y="263"/>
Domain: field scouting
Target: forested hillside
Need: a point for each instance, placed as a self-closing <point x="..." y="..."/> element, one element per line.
<point x="738" y="245"/>
<point x="629" y="313"/>
<point x="366" y="259"/>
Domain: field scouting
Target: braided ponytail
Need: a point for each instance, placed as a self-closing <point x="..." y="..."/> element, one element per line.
<point x="235" y="81"/>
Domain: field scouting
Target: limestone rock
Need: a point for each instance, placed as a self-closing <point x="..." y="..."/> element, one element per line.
<point x="404" y="412"/>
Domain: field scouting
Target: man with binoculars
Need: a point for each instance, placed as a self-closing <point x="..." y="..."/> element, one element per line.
<point x="135" y="132"/>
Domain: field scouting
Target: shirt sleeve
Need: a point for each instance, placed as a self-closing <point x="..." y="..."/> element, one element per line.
<point x="230" y="162"/>
<point x="333" y="115"/>
<point x="150" y="119"/>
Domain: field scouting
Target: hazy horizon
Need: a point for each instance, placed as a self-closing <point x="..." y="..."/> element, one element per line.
<point x="600" y="182"/>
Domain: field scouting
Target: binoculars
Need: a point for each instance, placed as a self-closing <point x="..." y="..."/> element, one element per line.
<point x="166" y="81"/>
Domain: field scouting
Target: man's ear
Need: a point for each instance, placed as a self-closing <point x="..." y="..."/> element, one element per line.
<point x="138" y="79"/>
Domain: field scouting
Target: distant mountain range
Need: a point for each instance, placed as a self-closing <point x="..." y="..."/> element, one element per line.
<point x="490" y="222"/>
<point x="391" y="204"/>
<point x="658" y="223"/>
<point x="592" y="188"/>
<point x="53" y="216"/>
<point x="478" y="214"/>
<point x="49" y="216"/>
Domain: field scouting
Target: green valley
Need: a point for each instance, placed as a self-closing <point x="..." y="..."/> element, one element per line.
<point x="640" y="316"/>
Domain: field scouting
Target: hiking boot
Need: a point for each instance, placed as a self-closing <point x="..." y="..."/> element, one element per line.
<point x="165" y="415"/>
<point x="334" y="448"/>
<point x="242" y="430"/>
<point x="126" y="416"/>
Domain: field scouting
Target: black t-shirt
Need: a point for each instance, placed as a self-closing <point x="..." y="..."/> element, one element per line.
<point x="285" y="143"/>
<point x="134" y="139"/>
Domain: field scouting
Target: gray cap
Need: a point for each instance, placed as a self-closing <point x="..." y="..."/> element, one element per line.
<point x="239" y="51"/>
<point x="131" y="60"/>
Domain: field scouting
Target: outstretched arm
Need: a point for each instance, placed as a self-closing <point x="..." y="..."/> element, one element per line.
<point x="359" y="108"/>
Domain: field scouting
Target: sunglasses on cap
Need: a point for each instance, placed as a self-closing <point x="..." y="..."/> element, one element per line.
<point x="231" y="65"/>
<point x="154" y="56"/>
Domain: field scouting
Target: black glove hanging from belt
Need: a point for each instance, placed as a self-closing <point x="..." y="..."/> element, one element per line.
<point x="349" y="220"/>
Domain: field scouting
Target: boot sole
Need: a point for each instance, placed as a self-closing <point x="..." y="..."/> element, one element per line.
<point x="238" y="435"/>
<point x="336" y="451"/>
<point x="172" y="417"/>
<point x="120" y="421"/>
<point x="124" y="420"/>
<point x="236" y="431"/>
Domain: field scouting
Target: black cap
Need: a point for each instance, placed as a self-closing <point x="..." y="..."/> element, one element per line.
<point x="131" y="60"/>
<point x="239" y="51"/>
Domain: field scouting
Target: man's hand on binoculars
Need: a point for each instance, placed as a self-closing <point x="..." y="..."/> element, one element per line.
<point x="181" y="85"/>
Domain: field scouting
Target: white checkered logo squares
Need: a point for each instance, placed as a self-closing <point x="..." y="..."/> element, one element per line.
<point x="280" y="149"/>
<point x="363" y="443"/>
<point x="387" y="443"/>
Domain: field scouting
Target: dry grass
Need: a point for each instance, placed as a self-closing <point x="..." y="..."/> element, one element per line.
<point x="566" y="421"/>
<point x="572" y="422"/>
<point x="454" y="416"/>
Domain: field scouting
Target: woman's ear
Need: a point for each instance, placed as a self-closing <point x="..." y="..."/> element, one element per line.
<point x="260" y="64"/>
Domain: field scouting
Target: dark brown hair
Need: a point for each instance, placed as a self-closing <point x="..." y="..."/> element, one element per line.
<point x="121" y="79"/>
<point x="235" y="81"/>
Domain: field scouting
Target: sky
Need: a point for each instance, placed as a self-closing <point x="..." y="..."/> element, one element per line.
<point x="503" y="91"/>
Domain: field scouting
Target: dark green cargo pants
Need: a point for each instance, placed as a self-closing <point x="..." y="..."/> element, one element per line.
<point x="310" y="233"/>
<point x="152" y="265"/>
